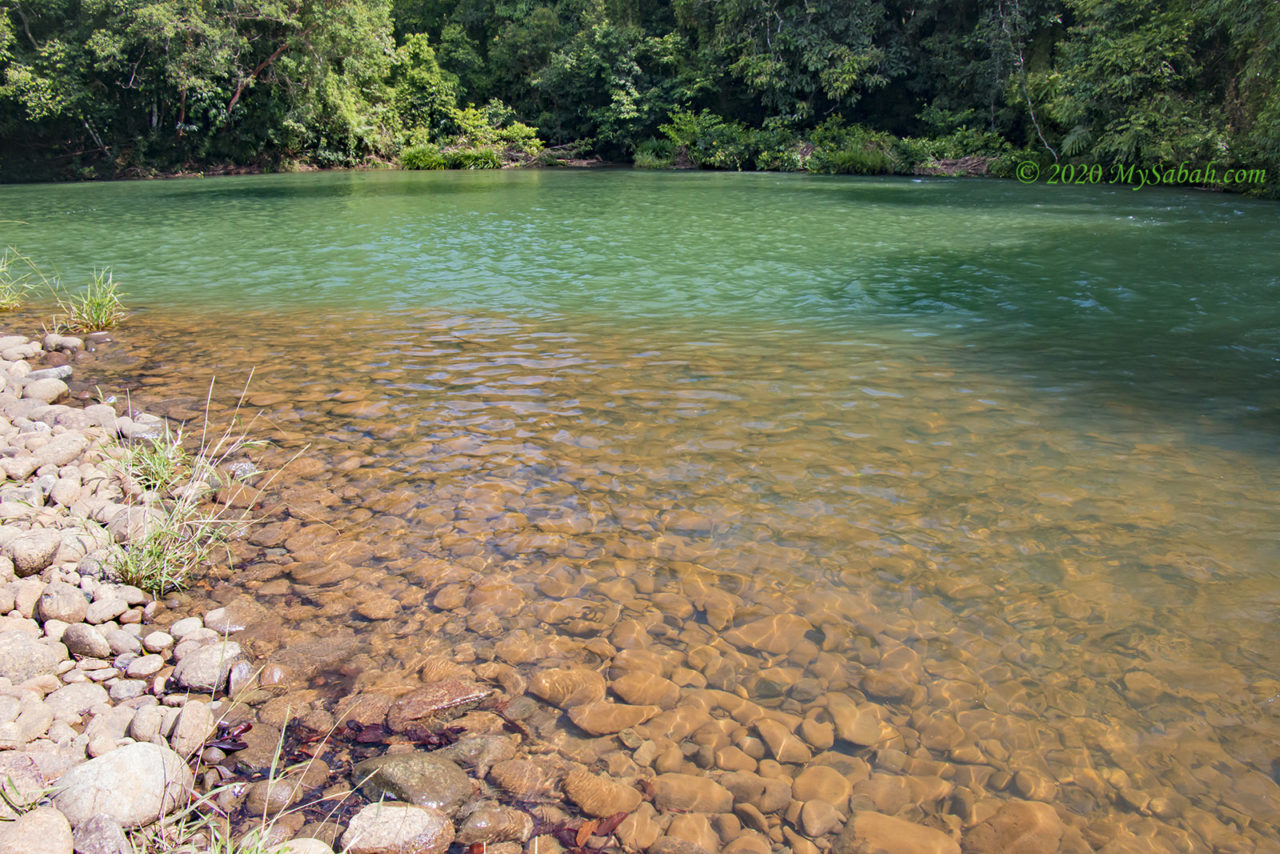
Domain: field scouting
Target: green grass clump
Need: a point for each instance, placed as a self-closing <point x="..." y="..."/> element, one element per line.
<point x="95" y="308"/>
<point x="195" y="503"/>
<point x="19" y="275"/>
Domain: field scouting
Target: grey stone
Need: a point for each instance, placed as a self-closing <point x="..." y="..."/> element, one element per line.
<point x="41" y="831"/>
<point x="206" y="668"/>
<point x="104" y="610"/>
<point x="61" y="601"/>
<point x="69" y="702"/>
<point x="101" y="834"/>
<point x="397" y="829"/>
<point x="192" y="729"/>
<point x="62" y="449"/>
<point x="417" y="778"/>
<point x="33" y="551"/>
<point x="86" y="641"/>
<point x="46" y="390"/>
<point x="22" y="656"/>
<point x="134" y="785"/>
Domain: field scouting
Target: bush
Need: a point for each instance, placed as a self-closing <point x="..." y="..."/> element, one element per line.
<point x="709" y="141"/>
<point x="654" y="154"/>
<point x="473" y="158"/>
<point x="840" y="149"/>
<point x="426" y="156"/>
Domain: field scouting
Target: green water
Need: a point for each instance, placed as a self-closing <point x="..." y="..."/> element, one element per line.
<point x="1028" y="434"/>
<point x="1175" y="289"/>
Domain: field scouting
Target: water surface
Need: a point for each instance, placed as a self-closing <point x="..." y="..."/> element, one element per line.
<point x="1009" y="451"/>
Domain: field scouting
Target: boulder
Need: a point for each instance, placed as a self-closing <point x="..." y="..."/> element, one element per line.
<point x="134" y="785"/>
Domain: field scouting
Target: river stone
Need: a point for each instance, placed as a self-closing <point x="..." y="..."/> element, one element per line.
<point x="642" y="688"/>
<point x="301" y="845"/>
<point x="86" y="641"/>
<point x="46" y="390"/>
<point x="782" y="743"/>
<point x="418" y="707"/>
<point x="819" y="817"/>
<point x="206" y="669"/>
<point x="690" y="793"/>
<point x="61" y="450"/>
<point x="61" y="601"/>
<point x="776" y="635"/>
<point x="491" y="822"/>
<point x="523" y="779"/>
<point x="41" y="831"/>
<point x="134" y="785"/>
<point x="567" y="687"/>
<point x="1018" y="827"/>
<point x="418" y="778"/>
<point x="192" y="729"/>
<point x="33" y="551"/>
<point x="271" y="796"/>
<point x="22" y="656"/>
<point x="608" y="718"/>
<point x="385" y="828"/>
<point x="875" y="833"/>
<point x="101" y="835"/>
<point x="69" y="702"/>
<point x="105" y="609"/>
<point x="599" y="796"/>
<point x="821" y="782"/>
<point x="236" y="616"/>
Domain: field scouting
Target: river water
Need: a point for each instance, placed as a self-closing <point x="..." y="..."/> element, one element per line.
<point x="996" y="462"/>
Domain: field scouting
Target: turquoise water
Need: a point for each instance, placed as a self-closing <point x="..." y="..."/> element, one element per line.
<point x="1179" y="289"/>
<point x="1027" y="434"/>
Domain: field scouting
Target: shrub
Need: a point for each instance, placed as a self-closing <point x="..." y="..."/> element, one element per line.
<point x="426" y="156"/>
<point x="473" y="158"/>
<point x="654" y="154"/>
<point x="842" y="149"/>
<point x="709" y="141"/>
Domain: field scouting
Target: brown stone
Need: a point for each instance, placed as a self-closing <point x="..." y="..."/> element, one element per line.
<point x="567" y="687"/>
<point x="1020" y="827"/>
<point x="691" y="793"/>
<point x="608" y="718"/>
<point x="599" y="796"/>
<point x="876" y="833"/>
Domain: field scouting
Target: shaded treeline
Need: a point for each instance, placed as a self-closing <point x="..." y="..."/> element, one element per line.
<point x="95" y="88"/>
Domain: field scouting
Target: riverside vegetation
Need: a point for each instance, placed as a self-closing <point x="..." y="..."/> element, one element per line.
<point x="139" y="88"/>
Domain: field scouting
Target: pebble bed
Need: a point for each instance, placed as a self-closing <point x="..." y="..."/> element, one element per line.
<point x="645" y="699"/>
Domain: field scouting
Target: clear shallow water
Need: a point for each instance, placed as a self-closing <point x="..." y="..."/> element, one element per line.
<point x="1011" y="448"/>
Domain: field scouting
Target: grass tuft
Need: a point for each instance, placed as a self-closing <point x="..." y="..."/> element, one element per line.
<point x="19" y="275"/>
<point x="95" y="308"/>
<point x="188" y="526"/>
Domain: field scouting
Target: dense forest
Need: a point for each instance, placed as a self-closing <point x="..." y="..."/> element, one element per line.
<point x="103" y="88"/>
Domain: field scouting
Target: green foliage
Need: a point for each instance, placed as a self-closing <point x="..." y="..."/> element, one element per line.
<point x="473" y="158"/>
<point x="424" y="156"/>
<point x="709" y="141"/>
<point x="95" y="308"/>
<point x="100" y="88"/>
<point x="840" y="149"/>
<point x="654" y="154"/>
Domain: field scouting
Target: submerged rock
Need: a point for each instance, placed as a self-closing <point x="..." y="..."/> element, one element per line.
<point x="418" y="778"/>
<point x="397" y="829"/>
